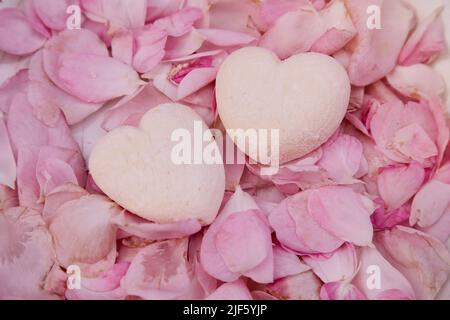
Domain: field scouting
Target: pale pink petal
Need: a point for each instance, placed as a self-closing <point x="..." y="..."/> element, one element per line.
<point x="159" y="271"/>
<point x="272" y="10"/>
<point x="182" y="46"/>
<point x="236" y="290"/>
<point x="180" y="22"/>
<point x="379" y="280"/>
<point x="421" y="258"/>
<point x="81" y="41"/>
<point x="47" y="99"/>
<point x="340" y="291"/>
<point x="281" y="40"/>
<point x="418" y="81"/>
<point x="150" y="43"/>
<point x="296" y="228"/>
<point x="426" y="42"/>
<point x="105" y="287"/>
<point x="238" y="242"/>
<point x="8" y="198"/>
<point x="341" y="211"/>
<point x="58" y="196"/>
<point x="26" y="254"/>
<point x="398" y="184"/>
<point x="286" y="263"/>
<point x="339" y="28"/>
<point x="239" y="16"/>
<point x="122" y="47"/>
<point x="303" y="286"/>
<point x="11" y="66"/>
<point x="340" y="265"/>
<point x="95" y="78"/>
<point x="17" y="36"/>
<point x="375" y="51"/>
<point x="53" y="14"/>
<point x="225" y="38"/>
<point x="431" y="202"/>
<point x="342" y="158"/>
<point x="116" y="14"/>
<point x="7" y="161"/>
<point x="405" y="132"/>
<point x="83" y="234"/>
<point x="134" y="106"/>
<point x="384" y="218"/>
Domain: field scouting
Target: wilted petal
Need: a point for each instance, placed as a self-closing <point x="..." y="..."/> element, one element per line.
<point x="159" y="271"/>
<point x="26" y="254"/>
<point x="422" y="259"/>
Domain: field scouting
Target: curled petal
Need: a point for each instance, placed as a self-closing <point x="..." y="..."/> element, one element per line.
<point x="426" y="42"/>
<point x="418" y="81"/>
<point x="340" y="265"/>
<point x="7" y="161"/>
<point x="397" y="185"/>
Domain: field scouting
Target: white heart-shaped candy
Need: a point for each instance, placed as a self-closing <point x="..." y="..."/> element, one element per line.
<point x="305" y="97"/>
<point x="135" y="168"/>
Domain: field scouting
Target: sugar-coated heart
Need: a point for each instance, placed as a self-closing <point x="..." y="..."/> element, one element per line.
<point x="135" y="168"/>
<point x="305" y="97"/>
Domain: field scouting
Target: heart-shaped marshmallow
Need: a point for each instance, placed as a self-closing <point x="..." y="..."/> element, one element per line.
<point x="305" y="97"/>
<point x="135" y="168"/>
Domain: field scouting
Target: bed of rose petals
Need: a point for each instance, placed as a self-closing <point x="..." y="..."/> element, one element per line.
<point x="373" y="199"/>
